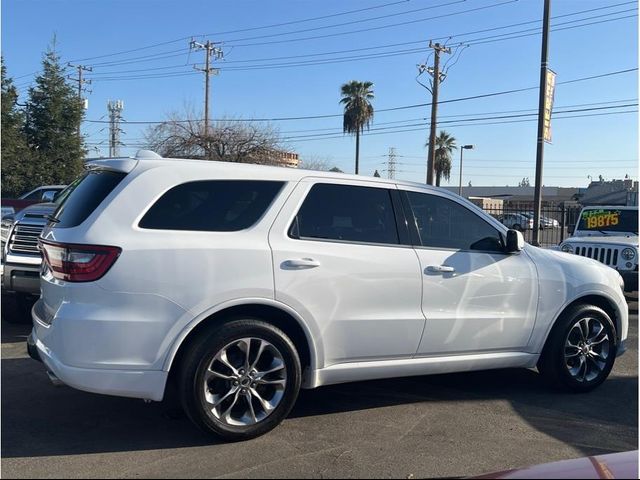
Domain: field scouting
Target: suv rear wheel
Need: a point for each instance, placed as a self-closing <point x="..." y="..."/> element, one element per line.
<point x="240" y="380"/>
<point x="580" y="350"/>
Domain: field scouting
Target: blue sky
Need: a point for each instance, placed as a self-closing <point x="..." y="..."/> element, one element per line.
<point x="606" y="144"/>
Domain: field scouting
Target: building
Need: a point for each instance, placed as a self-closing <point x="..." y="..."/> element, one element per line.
<point x="286" y="159"/>
<point x="521" y="197"/>
<point x="493" y="205"/>
<point x="614" y="192"/>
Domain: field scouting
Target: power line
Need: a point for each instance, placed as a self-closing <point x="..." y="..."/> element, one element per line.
<point x="163" y="55"/>
<point x="353" y="22"/>
<point x="313" y="138"/>
<point x="177" y="40"/>
<point x="404" y="107"/>
<point x="305" y="138"/>
<point x="144" y="58"/>
<point x="116" y="75"/>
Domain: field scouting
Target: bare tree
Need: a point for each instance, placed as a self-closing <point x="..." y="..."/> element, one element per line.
<point x="317" y="162"/>
<point x="231" y="140"/>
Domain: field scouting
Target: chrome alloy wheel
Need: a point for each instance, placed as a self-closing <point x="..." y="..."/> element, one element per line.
<point x="245" y="382"/>
<point x="586" y="349"/>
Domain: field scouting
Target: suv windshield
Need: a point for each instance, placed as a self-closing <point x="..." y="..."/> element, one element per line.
<point x="609" y="220"/>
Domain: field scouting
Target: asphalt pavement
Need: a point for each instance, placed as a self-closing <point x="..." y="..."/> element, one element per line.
<point x="438" y="426"/>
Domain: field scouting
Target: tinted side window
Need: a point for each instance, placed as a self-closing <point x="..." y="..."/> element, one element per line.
<point x="212" y="205"/>
<point x="443" y="223"/>
<point x="347" y="213"/>
<point x="84" y="195"/>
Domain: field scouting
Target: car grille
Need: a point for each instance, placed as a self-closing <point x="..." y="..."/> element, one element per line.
<point x="608" y="256"/>
<point x="24" y="238"/>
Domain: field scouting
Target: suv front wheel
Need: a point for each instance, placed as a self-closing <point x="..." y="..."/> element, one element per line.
<point x="580" y="350"/>
<point x="240" y="380"/>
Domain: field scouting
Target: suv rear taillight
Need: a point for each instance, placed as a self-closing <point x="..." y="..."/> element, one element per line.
<point x="78" y="263"/>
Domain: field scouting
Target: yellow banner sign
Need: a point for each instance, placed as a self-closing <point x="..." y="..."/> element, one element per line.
<point x="548" y="104"/>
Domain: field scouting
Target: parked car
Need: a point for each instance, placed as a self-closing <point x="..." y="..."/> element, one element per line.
<point x="237" y="285"/>
<point x="21" y="259"/>
<point x="545" y="222"/>
<point x="517" y="221"/>
<point x="610" y="235"/>
<point x="42" y="194"/>
<point x="609" y="466"/>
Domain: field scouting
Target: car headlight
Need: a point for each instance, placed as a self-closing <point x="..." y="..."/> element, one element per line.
<point x="628" y="254"/>
<point x="567" y="248"/>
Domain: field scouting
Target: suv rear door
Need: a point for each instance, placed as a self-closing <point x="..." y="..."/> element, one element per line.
<point x="341" y="261"/>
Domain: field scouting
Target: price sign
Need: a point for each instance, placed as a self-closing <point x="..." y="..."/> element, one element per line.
<point x="598" y="219"/>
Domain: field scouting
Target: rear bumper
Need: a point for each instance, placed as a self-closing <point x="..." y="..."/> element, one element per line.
<point x="144" y="384"/>
<point x="20" y="278"/>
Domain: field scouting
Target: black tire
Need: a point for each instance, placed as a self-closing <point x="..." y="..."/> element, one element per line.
<point x="552" y="364"/>
<point x="16" y="308"/>
<point x="200" y="355"/>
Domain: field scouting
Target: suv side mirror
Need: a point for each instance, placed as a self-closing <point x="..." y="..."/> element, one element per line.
<point x="515" y="241"/>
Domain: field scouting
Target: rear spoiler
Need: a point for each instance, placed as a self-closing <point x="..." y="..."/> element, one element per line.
<point x="124" y="165"/>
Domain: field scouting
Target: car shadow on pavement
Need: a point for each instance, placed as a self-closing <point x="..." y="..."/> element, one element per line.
<point x="40" y="420"/>
<point x="574" y="419"/>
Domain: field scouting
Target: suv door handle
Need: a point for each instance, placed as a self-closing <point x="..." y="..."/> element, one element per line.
<point x="300" y="263"/>
<point x="440" y="269"/>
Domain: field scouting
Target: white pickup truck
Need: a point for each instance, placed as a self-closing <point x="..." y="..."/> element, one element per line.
<point x="610" y="235"/>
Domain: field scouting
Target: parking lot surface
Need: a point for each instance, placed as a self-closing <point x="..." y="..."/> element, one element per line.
<point x="447" y="425"/>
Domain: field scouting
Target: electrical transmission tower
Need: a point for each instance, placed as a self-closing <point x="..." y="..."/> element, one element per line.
<point x="115" y="108"/>
<point x="391" y="163"/>
<point x="211" y="50"/>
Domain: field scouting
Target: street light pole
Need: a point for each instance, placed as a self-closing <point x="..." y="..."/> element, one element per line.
<point x="462" y="148"/>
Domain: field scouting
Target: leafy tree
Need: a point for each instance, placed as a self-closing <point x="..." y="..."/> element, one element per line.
<point x="336" y="170"/>
<point x="54" y="113"/>
<point x="376" y="174"/>
<point x="358" y="111"/>
<point x="16" y="175"/>
<point x="445" y="145"/>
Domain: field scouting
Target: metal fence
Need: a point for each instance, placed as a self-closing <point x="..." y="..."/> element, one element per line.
<point x="556" y="222"/>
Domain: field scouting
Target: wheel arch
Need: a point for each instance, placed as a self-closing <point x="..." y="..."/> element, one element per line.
<point x="275" y="313"/>
<point x="600" y="300"/>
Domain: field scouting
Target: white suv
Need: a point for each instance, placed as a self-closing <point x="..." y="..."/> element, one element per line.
<point x="239" y="284"/>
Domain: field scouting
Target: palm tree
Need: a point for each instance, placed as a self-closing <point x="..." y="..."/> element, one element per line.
<point x="358" y="111"/>
<point x="445" y="145"/>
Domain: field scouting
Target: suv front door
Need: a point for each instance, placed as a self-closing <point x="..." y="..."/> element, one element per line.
<point x="341" y="261"/>
<point x="476" y="297"/>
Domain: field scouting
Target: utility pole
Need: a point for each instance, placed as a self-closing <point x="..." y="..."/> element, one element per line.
<point x="391" y="163"/>
<point x="435" y="73"/>
<point x="537" y="201"/>
<point x="115" y="108"/>
<point x="81" y="81"/>
<point x="210" y="50"/>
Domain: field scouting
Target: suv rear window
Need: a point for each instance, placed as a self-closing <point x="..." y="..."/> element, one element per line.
<point x="212" y="205"/>
<point x="84" y="195"/>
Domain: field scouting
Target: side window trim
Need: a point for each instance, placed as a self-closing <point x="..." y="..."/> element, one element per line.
<point x="415" y="233"/>
<point x="293" y="231"/>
